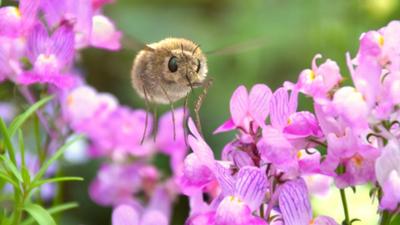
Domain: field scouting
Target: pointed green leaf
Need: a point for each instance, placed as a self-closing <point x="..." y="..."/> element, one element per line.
<point x="55" y="156"/>
<point x="56" y="179"/>
<point x="21" y="147"/>
<point x="10" y="166"/>
<point x="19" y="120"/>
<point x="7" y="140"/>
<point x="41" y="215"/>
<point x="8" y="179"/>
<point x="54" y="210"/>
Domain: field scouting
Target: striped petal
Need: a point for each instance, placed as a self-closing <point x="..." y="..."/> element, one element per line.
<point x="259" y="98"/>
<point x="239" y="104"/>
<point x="294" y="203"/>
<point x="279" y="108"/>
<point x="251" y="186"/>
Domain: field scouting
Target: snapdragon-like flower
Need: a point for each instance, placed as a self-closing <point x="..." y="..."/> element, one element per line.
<point x="318" y="81"/>
<point x="295" y="205"/>
<point x="157" y="211"/>
<point x="51" y="56"/>
<point x="388" y="175"/>
<point x="248" y="110"/>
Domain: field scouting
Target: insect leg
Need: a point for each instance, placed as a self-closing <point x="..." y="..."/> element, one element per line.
<point x="156" y="122"/>
<point x="199" y="102"/>
<point x="172" y="109"/>
<point x="184" y="122"/>
<point x="146" y="102"/>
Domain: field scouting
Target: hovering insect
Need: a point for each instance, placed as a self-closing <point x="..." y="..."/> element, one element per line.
<point x="167" y="71"/>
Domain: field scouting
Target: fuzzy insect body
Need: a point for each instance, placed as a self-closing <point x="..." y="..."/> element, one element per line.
<point x="166" y="71"/>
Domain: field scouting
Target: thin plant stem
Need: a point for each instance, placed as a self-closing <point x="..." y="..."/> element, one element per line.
<point x="385" y="218"/>
<point x="345" y="207"/>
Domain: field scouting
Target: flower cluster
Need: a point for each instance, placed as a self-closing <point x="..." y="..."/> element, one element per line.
<point x="278" y="158"/>
<point x="351" y="137"/>
<point x="40" y="44"/>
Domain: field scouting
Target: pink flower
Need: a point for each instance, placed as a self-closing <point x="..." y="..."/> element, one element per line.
<point x="157" y="211"/>
<point x="388" y="175"/>
<point x="318" y="81"/>
<point x="295" y="205"/>
<point x="104" y="34"/>
<point x="248" y="110"/>
<point x="51" y="56"/>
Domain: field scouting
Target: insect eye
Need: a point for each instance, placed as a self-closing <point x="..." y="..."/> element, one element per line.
<point x="198" y="65"/>
<point x="173" y="64"/>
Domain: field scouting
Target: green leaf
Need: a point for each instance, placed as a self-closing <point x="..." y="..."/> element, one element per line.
<point x="19" y="120"/>
<point x="8" y="179"/>
<point x="54" y="210"/>
<point x="56" y="179"/>
<point x="41" y="215"/>
<point x="395" y="220"/>
<point x="26" y="175"/>
<point x="7" y="140"/>
<point x="10" y="166"/>
<point x="21" y="147"/>
<point x="55" y="156"/>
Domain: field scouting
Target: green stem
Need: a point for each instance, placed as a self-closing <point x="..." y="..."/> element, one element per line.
<point x="345" y="207"/>
<point x="385" y="218"/>
<point x="262" y="211"/>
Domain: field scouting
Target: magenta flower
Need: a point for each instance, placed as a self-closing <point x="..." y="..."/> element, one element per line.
<point x="116" y="183"/>
<point x="248" y="110"/>
<point x="17" y="22"/>
<point x="388" y="175"/>
<point x="318" y="81"/>
<point x="288" y="131"/>
<point x="243" y="196"/>
<point x="295" y="205"/>
<point x="157" y="211"/>
<point x="356" y="158"/>
<point x="51" y="56"/>
<point x="104" y="34"/>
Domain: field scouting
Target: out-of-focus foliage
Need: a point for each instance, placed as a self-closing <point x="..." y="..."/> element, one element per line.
<point x="293" y="32"/>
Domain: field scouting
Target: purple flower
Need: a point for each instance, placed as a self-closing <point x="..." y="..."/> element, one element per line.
<point x="288" y="132"/>
<point x="199" y="165"/>
<point x="295" y="205"/>
<point x="388" y="175"/>
<point x="319" y="80"/>
<point x="51" y="56"/>
<point x="357" y="160"/>
<point x="17" y="22"/>
<point x="116" y="183"/>
<point x="157" y="211"/>
<point x="243" y="196"/>
<point x="104" y="34"/>
<point x="248" y="110"/>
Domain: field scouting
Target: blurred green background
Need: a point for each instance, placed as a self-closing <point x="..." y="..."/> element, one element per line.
<point x="293" y="32"/>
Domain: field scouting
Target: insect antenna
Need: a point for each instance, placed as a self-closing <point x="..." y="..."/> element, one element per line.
<point x="195" y="49"/>
<point x="199" y="102"/>
<point x="146" y="102"/>
<point x="172" y="108"/>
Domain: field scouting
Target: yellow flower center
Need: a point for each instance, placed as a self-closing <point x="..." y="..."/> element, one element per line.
<point x="358" y="160"/>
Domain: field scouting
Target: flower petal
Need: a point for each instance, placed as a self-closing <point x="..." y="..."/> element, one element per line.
<point x="251" y="186"/>
<point x="279" y="108"/>
<point x="239" y="105"/>
<point x="259" y="98"/>
<point x="294" y="203"/>
<point x="125" y="215"/>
